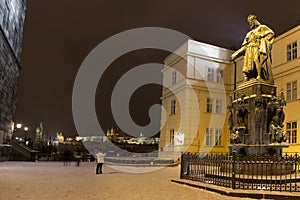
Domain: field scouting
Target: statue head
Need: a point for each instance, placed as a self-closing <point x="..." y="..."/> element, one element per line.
<point x="253" y="22"/>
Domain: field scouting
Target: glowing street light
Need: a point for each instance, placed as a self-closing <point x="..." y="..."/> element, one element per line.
<point x="19" y="126"/>
<point x="25" y="130"/>
<point x="16" y="128"/>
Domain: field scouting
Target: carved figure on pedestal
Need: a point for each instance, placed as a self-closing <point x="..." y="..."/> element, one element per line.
<point x="230" y="115"/>
<point x="280" y="136"/>
<point x="230" y="119"/>
<point x="276" y="134"/>
<point x="257" y="47"/>
<point x="272" y="132"/>
<point x="281" y="100"/>
<point x="235" y="137"/>
<point x="258" y="112"/>
<point x="280" y="116"/>
<point x="259" y="119"/>
<point x="271" y="110"/>
<point x="241" y="113"/>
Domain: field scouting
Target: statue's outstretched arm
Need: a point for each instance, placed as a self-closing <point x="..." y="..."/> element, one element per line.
<point x="235" y="54"/>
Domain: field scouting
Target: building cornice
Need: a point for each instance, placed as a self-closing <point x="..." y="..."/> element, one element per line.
<point x="287" y="33"/>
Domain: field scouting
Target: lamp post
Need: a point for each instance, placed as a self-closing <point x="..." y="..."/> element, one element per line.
<point x="234" y="86"/>
<point x="25" y="130"/>
<point x="17" y="127"/>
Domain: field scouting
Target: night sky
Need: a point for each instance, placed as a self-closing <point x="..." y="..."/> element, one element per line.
<point x="59" y="34"/>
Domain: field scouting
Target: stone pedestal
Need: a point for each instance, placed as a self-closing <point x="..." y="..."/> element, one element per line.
<point x="257" y="149"/>
<point x="254" y="87"/>
<point x="256" y="120"/>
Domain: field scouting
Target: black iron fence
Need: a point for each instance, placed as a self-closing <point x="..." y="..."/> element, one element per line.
<point x="273" y="173"/>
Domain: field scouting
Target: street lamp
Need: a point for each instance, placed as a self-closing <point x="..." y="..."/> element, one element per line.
<point x="16" y="128"/>
<point x="25" y="130"/>
<point x="19" y="126"/>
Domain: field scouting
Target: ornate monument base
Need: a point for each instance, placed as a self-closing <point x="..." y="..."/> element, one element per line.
<point x="244" y="150"/>
<point x="256" y="120"/>
<point x="256" y="114"/>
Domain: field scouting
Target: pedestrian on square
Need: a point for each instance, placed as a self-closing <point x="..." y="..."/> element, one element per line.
<point x="78" y="157"/>
<point x="67" y="157"/>
<point x="100" y="161"/>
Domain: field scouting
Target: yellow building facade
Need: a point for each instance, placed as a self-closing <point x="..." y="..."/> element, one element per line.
<point x="198" y="82"/>
<point x="286" y="69"/>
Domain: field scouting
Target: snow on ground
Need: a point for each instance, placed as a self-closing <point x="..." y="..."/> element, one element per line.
<point x="53" y="180"/>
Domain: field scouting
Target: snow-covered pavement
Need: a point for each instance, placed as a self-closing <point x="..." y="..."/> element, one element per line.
<point x="52" y="180"/>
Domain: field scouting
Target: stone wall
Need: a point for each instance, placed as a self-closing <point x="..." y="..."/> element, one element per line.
<point x="12" y="16"/>
<point x="9" y="73"/>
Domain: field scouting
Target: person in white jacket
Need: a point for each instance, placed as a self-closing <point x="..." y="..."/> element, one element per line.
<point x="100" y="160"/>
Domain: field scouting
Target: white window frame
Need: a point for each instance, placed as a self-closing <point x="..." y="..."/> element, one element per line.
<point x="291" y="132"/>
<point x="218" y="137"/>
<point x="219" y="106"/>
<point x="219" y="76"/>
<point x="291" y="91"/>
<point x="209" y="105"/>
<point x="294" y="90"/>
<point x="209" y="137"/>
<point x="210" y="74"/>
<point x="291" y="51"/>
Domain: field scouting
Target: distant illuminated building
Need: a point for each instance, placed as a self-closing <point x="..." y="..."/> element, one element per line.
<point x="58" y="139"/>
<point x="69" y="139"/>
<point x="55" y="141"/>
<point x="92" y="138"/>
<point x="12" y="17"/>
<point x="61" y="138"/>
<point x="111" y="132"/>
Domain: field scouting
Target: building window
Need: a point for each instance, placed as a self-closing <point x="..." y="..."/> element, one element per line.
<point x="291" y="132"/>
<point x="173" y="107"/>
<point x="219" y="76"/>
<point x="171" y="137"/>
<point x="174" y="77"/>
<point x="291" y="91"/>
<point x="292" y="51"/>
<point x="219" y="105"/>
<point x="218" y="140"/>
<point x="294" y="90"/>
<point x="209" y="105"/>
<point x="294" y="132"/>
<point x="210" y="74"/>
<point x="288" y="91"/>
<point x="209" y="137"/>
